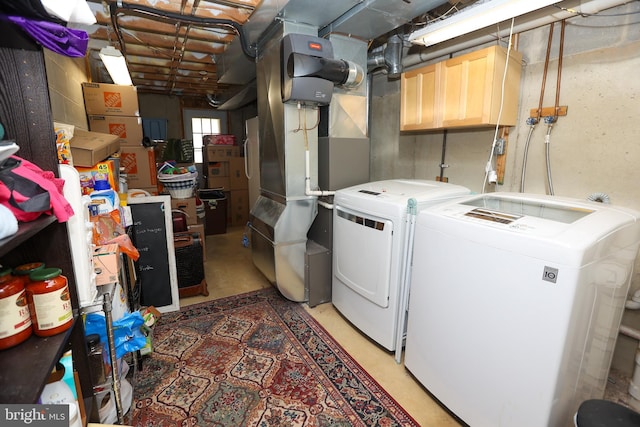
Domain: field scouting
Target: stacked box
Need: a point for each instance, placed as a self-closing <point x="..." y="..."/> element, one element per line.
<point x="188" y="206"/>
<point x="239" y="207"/>
<point x="139" y="165"/>
<point x="225" y="170"/>
<point x="90" y="148"/>
<point x="128" y="128"/>
<point x="218" y="165"/>
<point x="113" y="109"/>
<point x="109" y="99"/>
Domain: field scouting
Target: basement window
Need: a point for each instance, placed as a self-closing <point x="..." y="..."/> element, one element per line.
<point x="201" y="126"/>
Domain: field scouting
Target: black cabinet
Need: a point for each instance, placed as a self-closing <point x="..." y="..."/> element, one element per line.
<point x="25" y="113"/>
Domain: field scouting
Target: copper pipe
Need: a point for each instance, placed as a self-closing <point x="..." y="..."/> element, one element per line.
<point x="560" y="54"/>
<point x="544" y="74"/>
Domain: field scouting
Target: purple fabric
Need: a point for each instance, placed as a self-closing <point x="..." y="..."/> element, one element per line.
<point x="55" y="37"/>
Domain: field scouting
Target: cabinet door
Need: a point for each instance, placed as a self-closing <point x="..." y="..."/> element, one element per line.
<point x="472" y="88"/>
<point x="418" y="98"/>
<point x="466" y="80"/>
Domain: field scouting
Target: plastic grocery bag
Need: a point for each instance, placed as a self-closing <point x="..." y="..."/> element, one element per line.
<point x="126" y="331"/>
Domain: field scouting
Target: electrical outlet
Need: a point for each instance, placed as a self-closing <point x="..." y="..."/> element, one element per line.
<point x="498" y="150"/>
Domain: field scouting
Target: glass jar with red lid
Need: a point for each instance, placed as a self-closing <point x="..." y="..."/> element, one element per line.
<point x="49" y="302"/>
<point x="15" y="321"/>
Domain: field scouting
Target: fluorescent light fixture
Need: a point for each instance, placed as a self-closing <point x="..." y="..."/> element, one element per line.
<point x="116" y="65"/>
<point x="481" y="15"/>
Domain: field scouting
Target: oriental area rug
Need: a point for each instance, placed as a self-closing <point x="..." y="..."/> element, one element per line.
<point x="255" y="359"/>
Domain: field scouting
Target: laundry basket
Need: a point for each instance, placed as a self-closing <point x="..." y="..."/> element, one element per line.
<point x="179" y="186"/>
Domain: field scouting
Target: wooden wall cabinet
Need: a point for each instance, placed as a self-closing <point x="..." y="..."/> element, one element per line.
<point x="419" y="98"/>
<point x="465" y="91"/>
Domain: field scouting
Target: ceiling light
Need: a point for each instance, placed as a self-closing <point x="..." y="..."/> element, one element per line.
<point x="116" y="65"/>
<point x="475" y="17"/>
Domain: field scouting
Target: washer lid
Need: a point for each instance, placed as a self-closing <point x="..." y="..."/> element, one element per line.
<point x="400" y="190"/>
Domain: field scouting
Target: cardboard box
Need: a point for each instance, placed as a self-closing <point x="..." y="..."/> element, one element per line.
<point x="221" y="182"/>
<point x="106" y="264"/>
<point x="218" y="169"/>
<point x="128" y="128"/>
<point x="108" y="99"/>
<point x="88" y="176"/>
<point x="188" y="206"/>
<point x="239" y="207"/>
<point x="134" y="192"/>
<point x="237" y="177"/>
<point x="219" y="139"/>
<point x="89" y="148"/>
<point x="221" y="153"/>
<point x="140" y="166"/>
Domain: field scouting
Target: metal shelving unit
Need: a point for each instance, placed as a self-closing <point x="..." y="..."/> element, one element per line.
<point x="25" y="112"/>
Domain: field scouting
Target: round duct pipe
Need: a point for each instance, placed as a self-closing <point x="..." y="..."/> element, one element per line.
<point x="338" y="71"/>
<point x="389" y="56"/>
<point x="213" y="100"/>
<point x="393" y="56"/>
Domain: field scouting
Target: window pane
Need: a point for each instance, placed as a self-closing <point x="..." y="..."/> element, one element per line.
<point x="206" y="126"/>
<point x="197" y="140"/>
<point x="196" y="125"/>
<point x="202" y="126"/>
<point x="215" y="125"/>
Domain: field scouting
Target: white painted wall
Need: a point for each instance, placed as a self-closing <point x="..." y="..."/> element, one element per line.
<point x="595" y="148"/>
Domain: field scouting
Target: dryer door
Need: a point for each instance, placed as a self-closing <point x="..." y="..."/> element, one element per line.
<point x="362" y="244"/>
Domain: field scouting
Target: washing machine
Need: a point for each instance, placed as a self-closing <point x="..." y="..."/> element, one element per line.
<point x="515" y="304"/>
<point x="370" y="246"/>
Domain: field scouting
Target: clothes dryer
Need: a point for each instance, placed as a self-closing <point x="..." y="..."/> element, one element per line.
<point x="371" y="237"/>
<point x="515" y="304"/>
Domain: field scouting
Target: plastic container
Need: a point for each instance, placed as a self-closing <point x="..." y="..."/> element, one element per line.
<point x="25" y="270"/>
<point x="215" y="207"/>
<point x="49" y="302"/>
<point x="15" y="321"/>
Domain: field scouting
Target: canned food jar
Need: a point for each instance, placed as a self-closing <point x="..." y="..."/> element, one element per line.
<point x="15" y="321"/>
<point x="49" y="302"/>
<point x="23" y="271"/>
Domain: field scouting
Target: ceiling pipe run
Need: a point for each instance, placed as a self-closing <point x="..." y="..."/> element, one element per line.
<point x="119" y="6"/>
<point x="389" y="56"/>
<point x="533" y="20"/>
